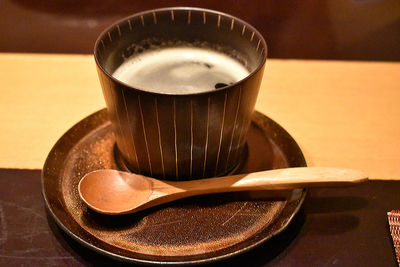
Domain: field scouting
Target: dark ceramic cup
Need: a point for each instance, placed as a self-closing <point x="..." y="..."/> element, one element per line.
<point x="180" y="136"/>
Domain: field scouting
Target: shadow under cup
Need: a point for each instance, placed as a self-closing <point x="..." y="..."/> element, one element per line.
<point x="180" y="136"/>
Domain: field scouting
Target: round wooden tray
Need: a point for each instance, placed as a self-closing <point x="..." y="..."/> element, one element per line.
<point x="194" y="230"/>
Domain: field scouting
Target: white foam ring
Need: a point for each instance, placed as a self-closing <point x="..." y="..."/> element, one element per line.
<point x="180" y="70"/>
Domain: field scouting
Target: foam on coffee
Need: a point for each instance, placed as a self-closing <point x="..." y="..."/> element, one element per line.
<point x="180" y="70"/>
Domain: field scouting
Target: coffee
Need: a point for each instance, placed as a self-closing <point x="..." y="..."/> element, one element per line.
<point x="180" y="70"/>
<point x="180" y="85"/>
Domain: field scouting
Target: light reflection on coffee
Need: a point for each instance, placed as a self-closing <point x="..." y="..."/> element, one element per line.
<point x="180" y="70"/>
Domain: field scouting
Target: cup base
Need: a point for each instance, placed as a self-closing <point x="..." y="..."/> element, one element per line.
<point x="124" y="166"/>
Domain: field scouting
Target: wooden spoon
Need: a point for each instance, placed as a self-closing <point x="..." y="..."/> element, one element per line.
<point x="116" y="192"/>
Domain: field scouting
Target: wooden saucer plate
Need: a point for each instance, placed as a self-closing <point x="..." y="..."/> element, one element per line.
<point x="189" y="231"/>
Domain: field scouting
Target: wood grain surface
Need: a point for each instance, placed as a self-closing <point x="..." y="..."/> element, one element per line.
<point x="335" y="219"/>
<point x="342" y="113"/>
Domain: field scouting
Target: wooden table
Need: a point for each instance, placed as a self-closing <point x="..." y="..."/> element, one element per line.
<point x="343" y="114"/>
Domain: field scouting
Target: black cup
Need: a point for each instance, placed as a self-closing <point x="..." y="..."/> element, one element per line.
<point x="180" y="136"/>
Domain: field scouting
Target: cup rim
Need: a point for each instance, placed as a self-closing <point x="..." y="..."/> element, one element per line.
<point x="150" y="11"/>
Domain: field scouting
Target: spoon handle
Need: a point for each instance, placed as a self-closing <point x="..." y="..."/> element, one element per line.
<point x="278" y="179"/>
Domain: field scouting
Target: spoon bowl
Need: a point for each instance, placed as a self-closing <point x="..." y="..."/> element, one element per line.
<point x="115" y="192"/>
